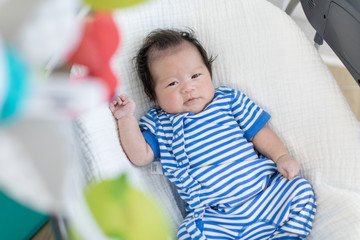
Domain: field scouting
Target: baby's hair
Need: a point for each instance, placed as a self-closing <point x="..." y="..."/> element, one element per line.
<point x="159" y="40"/>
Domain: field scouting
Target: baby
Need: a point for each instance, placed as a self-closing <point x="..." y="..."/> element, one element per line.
<point x="205" y="138"/>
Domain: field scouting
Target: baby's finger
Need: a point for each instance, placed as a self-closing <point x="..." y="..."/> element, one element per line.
<point x="119" y="100"/>
<point x="290" y="176"/>
<point x="292" y="173"/>
<point x="113" y="103"/>
<point x="112" y="106"/>
<point x="124" y="99"/>
<point x="284" y="172"/>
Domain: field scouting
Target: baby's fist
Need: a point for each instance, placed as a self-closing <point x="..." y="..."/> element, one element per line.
<point x="288" y="166"/>
<point x="122" y="106"/>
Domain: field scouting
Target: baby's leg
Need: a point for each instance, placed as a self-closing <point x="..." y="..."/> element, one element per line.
<point x="182" y="233"/>
<point x="284" y="210"/>
<point x="295" y="210"/>
<point x="191" y="229"/>
<point x="212" y="226"/>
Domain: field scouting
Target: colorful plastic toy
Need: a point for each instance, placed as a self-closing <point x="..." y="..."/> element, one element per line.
<point x="111" y="4"/>
<point x="99" y="42"/>
<point x="15" y="81"/>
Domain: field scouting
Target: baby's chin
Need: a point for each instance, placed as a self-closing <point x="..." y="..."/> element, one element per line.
<point x="197" y="109"/>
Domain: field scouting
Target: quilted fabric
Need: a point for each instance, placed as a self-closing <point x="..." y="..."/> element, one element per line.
<point x="260" y="50"/>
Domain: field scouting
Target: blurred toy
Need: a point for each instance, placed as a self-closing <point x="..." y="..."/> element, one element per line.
<point x="14" y="75"/>
<point x="111" y="4"/>
<point x="34" y="33"/>
<point x="99" y="42"/>
<point x="123" y="212"/>
<point x="41" y="30"/>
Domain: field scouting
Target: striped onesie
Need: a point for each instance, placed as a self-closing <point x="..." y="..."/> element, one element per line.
<point x="230" y="192"/>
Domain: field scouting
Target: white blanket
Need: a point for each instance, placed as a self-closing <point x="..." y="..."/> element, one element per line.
<point x="261" y="51"/>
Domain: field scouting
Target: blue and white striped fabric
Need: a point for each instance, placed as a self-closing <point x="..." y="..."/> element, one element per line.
<point x="230" y="191"/>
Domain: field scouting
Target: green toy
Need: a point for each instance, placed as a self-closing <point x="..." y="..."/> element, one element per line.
<point x="111" y="4"/>
<point x="124" y="213"/>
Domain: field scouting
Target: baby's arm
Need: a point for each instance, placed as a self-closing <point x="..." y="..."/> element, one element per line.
<point x="132" y="141"/>
<point x="269" y="144"/>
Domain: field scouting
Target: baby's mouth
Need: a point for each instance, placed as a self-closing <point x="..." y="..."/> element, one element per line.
<point x="190" y="101"/>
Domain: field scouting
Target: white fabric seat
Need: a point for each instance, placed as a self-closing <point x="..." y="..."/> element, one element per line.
<point x="261" y="51"/>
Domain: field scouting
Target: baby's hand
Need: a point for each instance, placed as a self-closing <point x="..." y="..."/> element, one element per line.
<point x="288" y="166"/>
<point x="122" y="106"/>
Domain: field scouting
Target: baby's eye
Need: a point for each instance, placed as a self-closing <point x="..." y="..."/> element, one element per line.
<point x="173" y="84"/>
<point x="195" y="76"/>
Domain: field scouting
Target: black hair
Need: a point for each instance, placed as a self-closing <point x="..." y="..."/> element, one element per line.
<point x="159" y="40"/>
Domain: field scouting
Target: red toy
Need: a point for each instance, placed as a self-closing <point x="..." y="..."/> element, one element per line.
<point x="99" y="42"/>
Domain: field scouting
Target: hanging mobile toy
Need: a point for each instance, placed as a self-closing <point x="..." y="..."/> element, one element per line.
<point x="14" y="77"/>
<point x="111" y="4"/>
<point x="99" y="42"/>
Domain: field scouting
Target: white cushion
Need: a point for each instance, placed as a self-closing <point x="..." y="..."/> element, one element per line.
<point x="261" y="51"/>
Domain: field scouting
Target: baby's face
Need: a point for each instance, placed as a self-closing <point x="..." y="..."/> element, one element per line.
<point x="182" y="80"/>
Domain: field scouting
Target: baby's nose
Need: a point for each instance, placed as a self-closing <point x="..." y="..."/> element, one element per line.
<point x="188" y="87"/>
